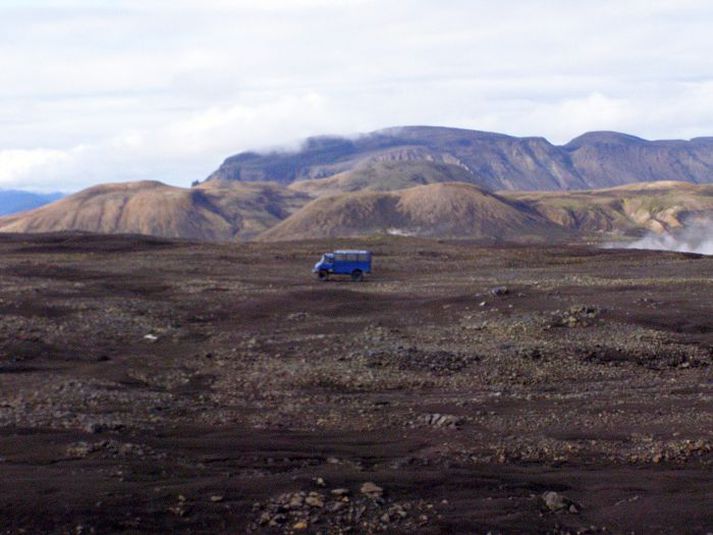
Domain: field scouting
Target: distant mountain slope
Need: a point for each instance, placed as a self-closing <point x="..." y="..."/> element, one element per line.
<point x="452" y="210"/>
<point x="216" y="211"/>
<point x="13" y="201"/>
<point x="493" y="161"/>
<point x="655" y="206"/>
<point x="383" y="176"/>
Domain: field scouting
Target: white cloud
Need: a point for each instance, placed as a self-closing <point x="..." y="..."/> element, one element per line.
<point x="166" y="89"/>
<point x="31" y="165"/>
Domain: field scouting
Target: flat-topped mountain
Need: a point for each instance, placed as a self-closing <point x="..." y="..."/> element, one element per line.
<point x="489" y="160"/>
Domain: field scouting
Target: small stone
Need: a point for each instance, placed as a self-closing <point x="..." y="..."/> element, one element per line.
<point x="314" y="500"/>
<point x="93" y="427"/>
<point x="278" y="520"/>
<point x="320" y="482"/>
<point x="499" y="291"/>
<point x="216" y="498"/>
<point x="372" y="490"/>
<point x="296" y="501"/>
<point x="299" y="526"/>
<point x="337" y="506"/>
<point x="398" y="511"/>
<point x="555" y="501"/>
<point x="79" y="450"/>
<point x="178" y="510"/>
<point x="340" y="492"/>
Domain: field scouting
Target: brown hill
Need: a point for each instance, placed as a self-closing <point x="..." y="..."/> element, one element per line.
<point x="655" y="206"/>
<point x="228" y="210"/>
<point x="383" y="175"/>
<point x="451" y="210"/>
<point x="215" y="211"/>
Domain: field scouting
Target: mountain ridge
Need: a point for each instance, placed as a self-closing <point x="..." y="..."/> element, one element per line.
<point x="420" y="199"/>
<point x="494" y="161"/>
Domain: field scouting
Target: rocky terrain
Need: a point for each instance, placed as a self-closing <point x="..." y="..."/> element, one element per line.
<point x="489" y="160"/>
<point x="152" y="386"/>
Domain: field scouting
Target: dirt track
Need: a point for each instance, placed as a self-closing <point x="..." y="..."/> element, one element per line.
<point x="154" y="386"/>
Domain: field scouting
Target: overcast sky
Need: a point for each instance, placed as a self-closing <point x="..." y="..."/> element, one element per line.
<point x="104" y="91"/>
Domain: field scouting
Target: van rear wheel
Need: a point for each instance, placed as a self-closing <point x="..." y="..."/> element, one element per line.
<point x="323" y="275"/>
<point x="357" y="275"/>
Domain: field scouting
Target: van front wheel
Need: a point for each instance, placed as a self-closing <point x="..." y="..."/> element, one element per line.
<point x="357" y="275"/>
<point x="323" y="275"/>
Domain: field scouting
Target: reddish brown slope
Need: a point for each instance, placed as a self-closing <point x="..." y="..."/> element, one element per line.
<point x="215" y="211"/>
<point x="440" y="210"/>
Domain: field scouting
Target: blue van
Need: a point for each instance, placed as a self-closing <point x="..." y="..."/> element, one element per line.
<point x="353" y="263"/>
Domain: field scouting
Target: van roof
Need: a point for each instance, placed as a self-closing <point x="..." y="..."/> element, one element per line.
<point x="351" y="251"/>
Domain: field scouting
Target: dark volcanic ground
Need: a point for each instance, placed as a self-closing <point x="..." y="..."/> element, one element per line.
<point x="155" y="386"/>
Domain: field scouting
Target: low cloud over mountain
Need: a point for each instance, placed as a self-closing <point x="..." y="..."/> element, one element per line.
<point x="492" y="161"/>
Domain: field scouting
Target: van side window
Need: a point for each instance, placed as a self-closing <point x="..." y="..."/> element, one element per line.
<point x="339" y="257"/>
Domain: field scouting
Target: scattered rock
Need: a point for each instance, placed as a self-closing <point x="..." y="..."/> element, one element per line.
<point x="296" y="500"/>
<point x="555" y="502"/>
<point x="499" y="291"/>
<point x="372" y="490"/>
<point x="576" y="316"/>
<point x="314" y="500"/>
<point x="533" y="353"/>
<point x="440" y="362"/>
<point x="366" y="512"/>
<point x="94" y="427"/>
<point x="448" y="421"/>
<point x="79" y="450"/>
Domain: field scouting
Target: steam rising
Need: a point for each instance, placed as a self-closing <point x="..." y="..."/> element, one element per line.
<point x="695" y="237"/>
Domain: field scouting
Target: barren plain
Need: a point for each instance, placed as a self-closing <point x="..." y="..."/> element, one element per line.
<point x="154" y="386"/>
